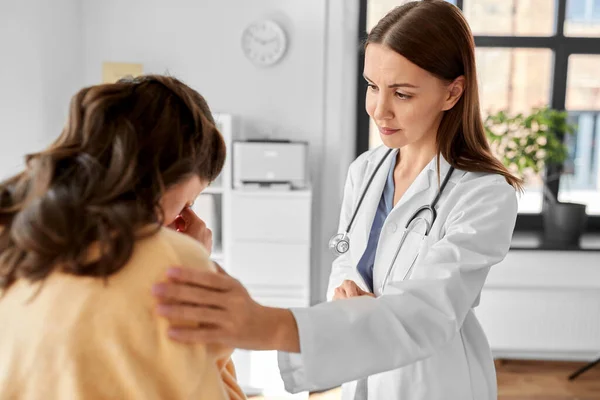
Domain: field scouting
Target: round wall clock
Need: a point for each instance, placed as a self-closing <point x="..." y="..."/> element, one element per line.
<point x="264" y="42"/>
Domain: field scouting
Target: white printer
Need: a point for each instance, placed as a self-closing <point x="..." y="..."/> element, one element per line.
<point x="273" y="164"/>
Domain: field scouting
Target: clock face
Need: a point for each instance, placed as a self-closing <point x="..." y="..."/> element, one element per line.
<point x="264" y="42"/>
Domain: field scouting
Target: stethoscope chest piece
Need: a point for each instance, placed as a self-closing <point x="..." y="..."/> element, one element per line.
<point x="339" y="244"/>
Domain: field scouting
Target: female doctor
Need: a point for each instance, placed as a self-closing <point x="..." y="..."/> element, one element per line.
<point x="423" y="219"/>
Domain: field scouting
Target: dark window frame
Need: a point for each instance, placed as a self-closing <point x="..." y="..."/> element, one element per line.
<point x="562" y="46"/>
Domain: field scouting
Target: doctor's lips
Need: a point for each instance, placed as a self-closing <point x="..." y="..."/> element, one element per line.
<point x="387" y="131"/>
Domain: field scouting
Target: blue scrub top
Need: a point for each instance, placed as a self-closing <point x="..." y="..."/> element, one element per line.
<point x="386" y="203"/>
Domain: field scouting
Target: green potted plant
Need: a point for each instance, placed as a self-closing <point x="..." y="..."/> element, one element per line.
<point x="528" y="143"/>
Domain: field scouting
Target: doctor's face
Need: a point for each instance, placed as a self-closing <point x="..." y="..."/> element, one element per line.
<point x="405" y="101"/>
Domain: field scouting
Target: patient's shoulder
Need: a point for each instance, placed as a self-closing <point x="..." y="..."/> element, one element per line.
<point x="184" y="250"/>
<point x="153" y="255"/>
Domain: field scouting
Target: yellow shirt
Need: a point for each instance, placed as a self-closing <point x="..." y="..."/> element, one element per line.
<point x="79" y="338"/>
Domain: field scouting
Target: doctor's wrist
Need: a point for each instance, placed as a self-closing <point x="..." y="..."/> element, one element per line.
<point x="283" y="330"/>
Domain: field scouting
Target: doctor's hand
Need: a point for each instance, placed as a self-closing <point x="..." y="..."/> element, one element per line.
<point x="216" y="308"/>
<point x="349" y="289"/>
<point x="189" y="223"/>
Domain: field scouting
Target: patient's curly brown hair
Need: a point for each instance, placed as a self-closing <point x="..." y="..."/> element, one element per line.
<point x="102" y="179"/>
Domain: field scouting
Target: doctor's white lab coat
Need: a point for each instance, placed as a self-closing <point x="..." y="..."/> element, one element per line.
<point x="419" y="339"/>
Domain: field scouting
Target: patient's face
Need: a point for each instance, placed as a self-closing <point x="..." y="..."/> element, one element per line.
<point x="179" y="196"/>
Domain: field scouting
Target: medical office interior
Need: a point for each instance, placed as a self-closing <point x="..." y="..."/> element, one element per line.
<point x="293" y="118"/>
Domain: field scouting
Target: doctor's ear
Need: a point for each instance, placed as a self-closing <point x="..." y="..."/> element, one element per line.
<point x="455" y="90"/>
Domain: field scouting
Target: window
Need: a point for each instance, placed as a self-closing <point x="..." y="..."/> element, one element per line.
<point x="531" y="53"/>
<point x="576" y="10"/>
<point x="510" y="17"/>
<point x="583" y="82"/>
<point x="583" y="18"/>
<point x="513" y="79"/>
<point x="516" y="80"/>
<point x="581" y="183"/>
<point x="583" y="11"/>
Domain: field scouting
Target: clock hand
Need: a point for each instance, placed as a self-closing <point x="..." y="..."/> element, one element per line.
<point x="257" y="39"/>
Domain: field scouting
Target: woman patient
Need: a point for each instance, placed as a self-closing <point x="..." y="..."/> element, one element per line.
<point x="83" y="237"/>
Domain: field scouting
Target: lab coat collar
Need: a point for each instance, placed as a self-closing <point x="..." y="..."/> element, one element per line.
<point x="444" y="168"/>
<point x="426" y="179"/>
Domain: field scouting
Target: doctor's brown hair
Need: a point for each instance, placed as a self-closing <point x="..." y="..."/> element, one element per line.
<point x="434" y="35"/>
<point x="101" y="181"/>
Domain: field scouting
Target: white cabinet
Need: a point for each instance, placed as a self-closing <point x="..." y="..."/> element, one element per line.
<point x="268" y="250"/>
<point x="271" y="217"/>
<point x="270" y="245"/>
<point x="543" y="305"/>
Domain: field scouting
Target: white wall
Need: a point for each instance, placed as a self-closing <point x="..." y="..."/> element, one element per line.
<point x="40" y="69"/>
<point x="51" y="49"/>
<point x="199" y="42"/>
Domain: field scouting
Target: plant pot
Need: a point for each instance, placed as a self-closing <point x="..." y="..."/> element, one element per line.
<point x="564" y="223"/>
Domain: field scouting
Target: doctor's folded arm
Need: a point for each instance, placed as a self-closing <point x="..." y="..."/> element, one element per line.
<point x="423" y="219"/>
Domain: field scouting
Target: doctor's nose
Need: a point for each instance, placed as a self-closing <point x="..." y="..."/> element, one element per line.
<point x="382" y="110"/>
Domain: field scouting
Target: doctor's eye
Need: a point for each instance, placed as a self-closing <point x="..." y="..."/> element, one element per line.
<point x="403" y="96"/>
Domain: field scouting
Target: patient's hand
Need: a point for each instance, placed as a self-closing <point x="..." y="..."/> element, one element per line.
<point x="189" y="223"/>
<point x="349" y="289"/>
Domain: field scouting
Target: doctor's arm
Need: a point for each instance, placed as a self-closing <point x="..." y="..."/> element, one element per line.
<point x="332" y="343"/>
<point x="423" y="314"/>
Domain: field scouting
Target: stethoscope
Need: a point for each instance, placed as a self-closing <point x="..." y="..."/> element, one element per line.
<point x="340" y="243"/>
